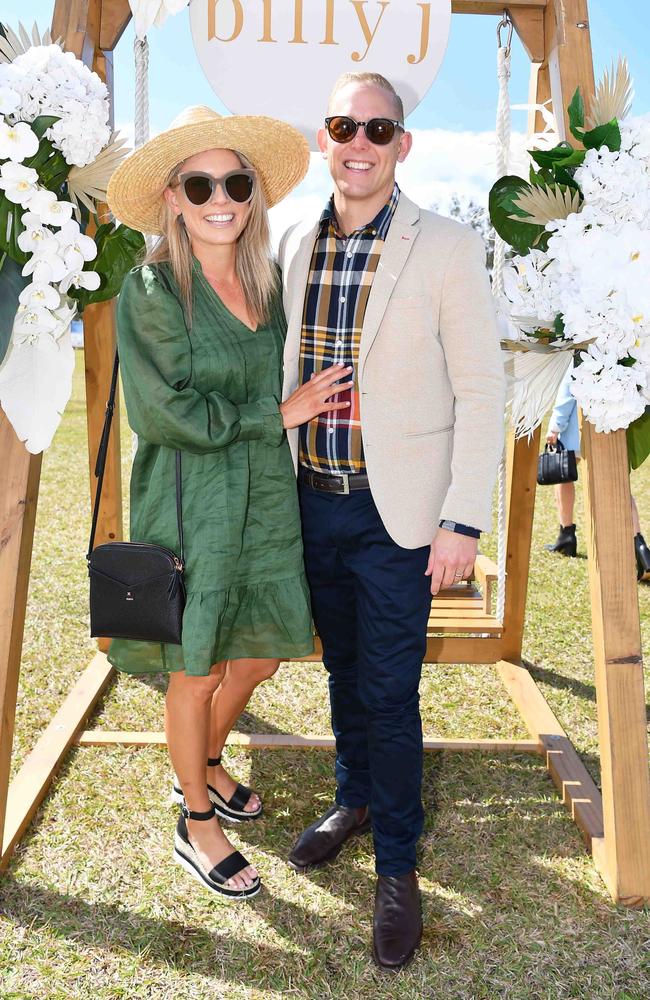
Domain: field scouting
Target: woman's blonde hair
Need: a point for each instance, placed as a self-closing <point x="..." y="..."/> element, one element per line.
<point x="254" y="263"/>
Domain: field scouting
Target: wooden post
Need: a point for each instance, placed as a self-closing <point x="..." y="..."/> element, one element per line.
<point x="625" y="861"/>
<point x="81" y="23"/>
<point x="18" y="498"/>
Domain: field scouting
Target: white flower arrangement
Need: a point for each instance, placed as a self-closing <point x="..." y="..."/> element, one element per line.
<point x="580" y="279"/>
<point x="54" y="125"/>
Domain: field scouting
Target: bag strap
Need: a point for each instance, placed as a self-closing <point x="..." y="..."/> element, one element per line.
<point x="100" y="468"/>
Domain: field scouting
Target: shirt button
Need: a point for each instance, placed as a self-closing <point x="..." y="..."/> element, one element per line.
<point x="349" y="253"/>
<point x="339" y="343"/>
<point x="342" y="299"/>
<point x="330" y="430"/>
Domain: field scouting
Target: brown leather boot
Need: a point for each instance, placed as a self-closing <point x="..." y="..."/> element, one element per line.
<point x="397" y="925"/>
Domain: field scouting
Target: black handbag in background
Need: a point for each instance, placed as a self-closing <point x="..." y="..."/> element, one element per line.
<point x="556" y="465"/>
<point x="136" y="590"/>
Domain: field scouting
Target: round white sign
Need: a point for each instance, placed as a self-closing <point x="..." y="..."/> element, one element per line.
<point x="281" y="57"/>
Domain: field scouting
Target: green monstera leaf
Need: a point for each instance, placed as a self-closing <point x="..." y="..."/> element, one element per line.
<point x="118" y="250"/>
<point x="638" y="440"/>
<point x="521" y="236"/>
<point x="48" y="161"/>
<point x="11" y="285"/>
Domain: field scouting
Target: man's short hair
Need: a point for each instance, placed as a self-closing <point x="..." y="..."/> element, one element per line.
<point x="370" y="79"/>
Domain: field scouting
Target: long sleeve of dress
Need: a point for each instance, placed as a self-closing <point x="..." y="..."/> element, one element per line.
<point x="156" y="362"/>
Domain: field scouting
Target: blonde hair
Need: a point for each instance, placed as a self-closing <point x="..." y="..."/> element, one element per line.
<point x="254" y="264"/>
<point x="370" y="80"/>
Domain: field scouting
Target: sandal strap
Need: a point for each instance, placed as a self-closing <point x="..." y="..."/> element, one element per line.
<point x="191" y="814"/>
<point x="240" y="798"/>
<point x="214" y="761"/>
<point x="232" y="865"/>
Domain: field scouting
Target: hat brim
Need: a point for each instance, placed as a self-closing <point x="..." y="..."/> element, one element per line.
<point x="278" y="152"/>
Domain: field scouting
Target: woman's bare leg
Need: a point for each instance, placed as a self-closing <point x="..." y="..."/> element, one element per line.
<point x="228" y="702"/>
<point x="565" y="498"/>
<point x="636" y="524"/>
<point x="187" y="726"/>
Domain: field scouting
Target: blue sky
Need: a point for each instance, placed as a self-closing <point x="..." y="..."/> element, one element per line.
<point x="454" y="123"/>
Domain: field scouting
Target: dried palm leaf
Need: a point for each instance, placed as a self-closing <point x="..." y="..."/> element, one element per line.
<point x="614" y="96"/>
<point x="17" y="44"/>
<point x="87" y="185"/>
<point x="533" y="380"/>
<point x="544" y="204"/>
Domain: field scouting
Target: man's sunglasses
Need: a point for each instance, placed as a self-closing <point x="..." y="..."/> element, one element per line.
<point x="379" y="131"/>
<point x="237" y="185"/>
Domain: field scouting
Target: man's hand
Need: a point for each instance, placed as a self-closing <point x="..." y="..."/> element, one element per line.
<point x="452" y="559"/>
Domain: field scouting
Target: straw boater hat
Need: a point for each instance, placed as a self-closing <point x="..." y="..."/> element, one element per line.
<point x="279" y="153"/>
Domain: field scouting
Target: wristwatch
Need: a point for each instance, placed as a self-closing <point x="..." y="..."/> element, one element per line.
<point x="460" y="529"/>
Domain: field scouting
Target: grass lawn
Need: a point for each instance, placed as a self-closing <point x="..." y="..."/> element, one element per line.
<point x="92" y="906"/>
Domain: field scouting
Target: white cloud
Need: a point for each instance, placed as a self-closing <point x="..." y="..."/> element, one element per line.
<point x="441" y="164"/>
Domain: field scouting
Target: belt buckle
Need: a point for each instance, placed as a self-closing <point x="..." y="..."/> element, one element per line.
<point x="346" y="483"/>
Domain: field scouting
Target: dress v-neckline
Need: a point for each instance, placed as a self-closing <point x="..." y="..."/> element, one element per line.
<point x="218" y="298"/>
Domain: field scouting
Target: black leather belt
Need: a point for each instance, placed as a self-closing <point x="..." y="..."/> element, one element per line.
<point x="332" y="484"/>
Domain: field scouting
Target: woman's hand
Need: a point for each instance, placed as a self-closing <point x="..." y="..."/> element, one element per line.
<point x="313" y="397"/>
<point x="551" y="437"/>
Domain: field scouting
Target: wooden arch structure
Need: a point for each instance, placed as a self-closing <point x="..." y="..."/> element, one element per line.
<point x="615" y="823"/>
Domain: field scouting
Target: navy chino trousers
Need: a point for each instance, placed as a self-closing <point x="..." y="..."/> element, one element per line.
<point x="371" y="602"/>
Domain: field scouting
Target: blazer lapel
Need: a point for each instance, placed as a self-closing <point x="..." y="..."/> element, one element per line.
<point x="297" y="272"/>
<point x="401" y="236"/>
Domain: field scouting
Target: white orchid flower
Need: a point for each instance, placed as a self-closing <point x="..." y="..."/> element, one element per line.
<point x="19" y="182"/>
<point x="17" y="142"/>
<point x="36" y="238"/>
<point x="40" y="294"/>
<point x="75" y="247"/>
<point x="46" y="268"/>
<point x="9" y="100"/>
<point x="49" y="209"/>
<point x="31" y="322"/>
<point x="81" y="279"/>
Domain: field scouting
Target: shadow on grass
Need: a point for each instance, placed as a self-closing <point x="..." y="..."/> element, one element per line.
<point x="565" y="683"/>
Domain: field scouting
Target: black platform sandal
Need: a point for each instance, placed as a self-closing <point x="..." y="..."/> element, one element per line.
<point x="215" y="880"/>
<point x="233" y="809"/>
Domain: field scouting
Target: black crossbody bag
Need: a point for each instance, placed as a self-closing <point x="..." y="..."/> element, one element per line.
<point x="556" y="465"/>
<point x="136" y="590"/>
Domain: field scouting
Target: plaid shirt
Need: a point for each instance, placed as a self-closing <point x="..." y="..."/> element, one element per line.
<point x="340" y="278"/>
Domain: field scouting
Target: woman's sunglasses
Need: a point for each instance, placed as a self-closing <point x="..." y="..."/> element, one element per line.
<point x="379" y="131"/>
<point x="237" y="185"/>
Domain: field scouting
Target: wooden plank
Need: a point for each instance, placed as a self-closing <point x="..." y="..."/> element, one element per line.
<point x="28" y="789"/>
<point x="620" y="691"/>
<point x="577" y="788"/>
<point x="271" y="741"/>
<point x="115" y="16"/>
<point x="453" y="649"/>
<point x="521" y="486"/>
<point x="614" y="601"/>
<point x="18" y="500"/>
<point x="494" y="8"/>
<point x="529" y="25"/>
<point x="474" y="626"/>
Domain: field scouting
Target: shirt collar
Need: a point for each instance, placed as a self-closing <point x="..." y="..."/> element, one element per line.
<point x="378" y="227"/>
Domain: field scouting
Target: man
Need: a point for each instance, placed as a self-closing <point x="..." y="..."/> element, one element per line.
<point x="396" y="487"/>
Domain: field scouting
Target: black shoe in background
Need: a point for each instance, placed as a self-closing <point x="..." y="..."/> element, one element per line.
<point x="565" y="543"/>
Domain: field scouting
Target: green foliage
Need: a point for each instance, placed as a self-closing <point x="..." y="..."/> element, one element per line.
<point x="11" y="285"/>
<point x="577" y="115"/>
<point x="10" y="229"/>
<point x="521" y="236"/>
<point x="48" y="161"/>
<point x="118" y="249"/>
<point x="608" y="135"/>
<point x="638" y="440"/>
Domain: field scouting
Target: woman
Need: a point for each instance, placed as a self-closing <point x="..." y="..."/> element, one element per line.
<point x="564" y="426"/>
<point x="200" y="332"/>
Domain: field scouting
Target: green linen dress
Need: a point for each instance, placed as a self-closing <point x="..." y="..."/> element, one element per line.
<point x="212" y="392"/>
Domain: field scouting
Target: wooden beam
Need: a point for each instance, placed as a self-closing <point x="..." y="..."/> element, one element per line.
<point x="494" y="8"/>
<point x="279" y="741"/>
<point x="529" y="25"/>
<point x="521" y="487"/>
<point x="576" y="786"/>
<point x="19" y="484"/>
<point x="30" y="785"/>
<point x="115" y="16"/>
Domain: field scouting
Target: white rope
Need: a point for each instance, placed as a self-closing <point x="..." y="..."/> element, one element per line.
<point x="503" y="130"/>
<point x="141" y="118"/>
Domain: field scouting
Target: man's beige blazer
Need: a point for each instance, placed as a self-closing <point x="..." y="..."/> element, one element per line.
<point x="431" y="377"/>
